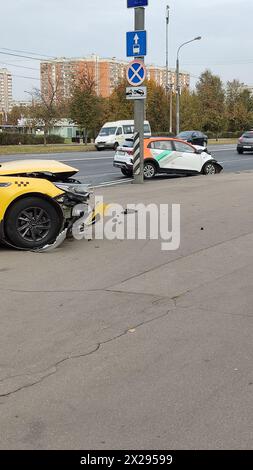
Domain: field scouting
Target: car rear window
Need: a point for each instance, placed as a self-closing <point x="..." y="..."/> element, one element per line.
<point x="128" y="143"/>
<point x="248" y="135"/>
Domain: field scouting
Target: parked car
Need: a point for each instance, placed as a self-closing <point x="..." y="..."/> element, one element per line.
<point x="194" y="137"/>
<point x="113" y="134"/>
<point x="38" y="203"/>
<point x="245" y="142"/>
<point x="166" y="155"/>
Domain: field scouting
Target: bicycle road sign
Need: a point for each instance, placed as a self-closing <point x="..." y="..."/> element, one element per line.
<point x="136" y="73"/>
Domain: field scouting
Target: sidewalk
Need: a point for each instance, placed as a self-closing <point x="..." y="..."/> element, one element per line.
<point x="117" y="344"/>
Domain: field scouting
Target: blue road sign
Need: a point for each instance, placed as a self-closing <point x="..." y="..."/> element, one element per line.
<point x="137" y="3"/>
<point x="136" y="73"/>
<point x="136" y="43"/>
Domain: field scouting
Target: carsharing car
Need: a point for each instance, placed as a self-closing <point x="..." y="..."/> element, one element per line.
<point x="39" y="202"/>
<point x="167" y="155"/>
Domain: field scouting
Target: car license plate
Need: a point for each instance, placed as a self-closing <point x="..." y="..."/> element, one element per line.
<point x="120" y="152"/>
<point x="247" y="146"/>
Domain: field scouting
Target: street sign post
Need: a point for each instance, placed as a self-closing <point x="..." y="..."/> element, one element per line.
<point x="136" y="73"/>
<point x="136" y="43"/>
<point x="137" y="3"/>
<point x="136" y="93"/>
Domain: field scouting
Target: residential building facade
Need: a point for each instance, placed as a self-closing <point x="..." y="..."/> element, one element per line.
<point x="107" y="74"/>
<point x="5" y="91"/>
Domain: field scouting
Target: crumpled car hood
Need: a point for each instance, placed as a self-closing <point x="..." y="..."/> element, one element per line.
<point x="26" y="167"/>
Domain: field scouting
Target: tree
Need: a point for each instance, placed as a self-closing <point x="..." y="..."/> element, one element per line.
<point x="189" y="111"/>
<point x="46" y="108"/>
<point x="211" y="98"/>
<point x="84" y="105"/>
<point x="239" y="107"/>
<point x="157" y="107"/>
<point x="118" y="107"/>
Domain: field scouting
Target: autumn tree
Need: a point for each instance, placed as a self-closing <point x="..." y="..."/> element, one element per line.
<point x="189" y="111"/>
<point x="118" y="107"/>
<point x="84" y="104"/>
<point x="211" y="98"/>
<point x="239" y="107"/>
<point x="46" y="108"/>
<point x="157" y="109"/>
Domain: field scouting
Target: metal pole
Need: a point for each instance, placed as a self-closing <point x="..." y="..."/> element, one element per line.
<point x="167" y="48"/>
<point x="171" y="107"/>
<point x="139" y="105"/>
<point x="177" y="97"/>
<point x="178" y="84"/>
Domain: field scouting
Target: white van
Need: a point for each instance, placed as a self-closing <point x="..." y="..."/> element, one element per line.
<point x="113" y="134"/>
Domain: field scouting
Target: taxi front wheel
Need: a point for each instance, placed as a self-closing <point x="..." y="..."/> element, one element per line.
<point x="32" y="222"/>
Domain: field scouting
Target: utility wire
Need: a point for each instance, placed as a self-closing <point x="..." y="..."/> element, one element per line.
<point x="26" y="52"/>
<point x="19" y="66"/>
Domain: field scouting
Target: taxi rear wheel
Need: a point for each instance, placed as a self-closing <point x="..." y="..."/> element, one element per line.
<point x="32" y="223"/>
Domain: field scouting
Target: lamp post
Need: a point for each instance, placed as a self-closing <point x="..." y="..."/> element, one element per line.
<point x="177" y="82"/>
<point x="167" y="48"/>
<point x="168" y="86"/>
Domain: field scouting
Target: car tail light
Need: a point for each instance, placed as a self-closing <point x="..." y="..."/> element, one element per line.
<point x="240" y="139"/>
<point x="130" y="152"/>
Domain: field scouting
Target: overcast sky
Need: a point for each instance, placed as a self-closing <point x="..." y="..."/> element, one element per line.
<point x="78" y="28"/>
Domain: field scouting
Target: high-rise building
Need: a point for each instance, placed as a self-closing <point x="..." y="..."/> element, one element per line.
<point x="58" y="74"/>
<point x="5" y="91"/>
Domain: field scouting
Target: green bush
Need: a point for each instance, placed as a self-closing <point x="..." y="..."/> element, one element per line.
<point x="163" y="134"/>
<point x="8" y="138"/>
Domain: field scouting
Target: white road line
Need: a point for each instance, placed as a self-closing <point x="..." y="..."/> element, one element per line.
<point x="86" y="158"/>
<point x="100" y="174"/>
<point x="222" y="150"/>
<point x="236" y="161"/>
<point x="113" y="183"/>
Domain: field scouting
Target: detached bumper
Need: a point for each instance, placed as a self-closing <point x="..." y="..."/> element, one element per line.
<point x="123" y="165"/>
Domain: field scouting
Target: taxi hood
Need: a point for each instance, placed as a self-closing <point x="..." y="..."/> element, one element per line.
<point x="48" y="169"/>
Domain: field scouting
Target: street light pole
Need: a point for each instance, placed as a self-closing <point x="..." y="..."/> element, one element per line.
<point x="168" y="86"/>
<point x="178" y="84"/>
<point x="167" y="48"/>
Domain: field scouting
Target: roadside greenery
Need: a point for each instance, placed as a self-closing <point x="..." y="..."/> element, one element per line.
<point x="218" y="109"/>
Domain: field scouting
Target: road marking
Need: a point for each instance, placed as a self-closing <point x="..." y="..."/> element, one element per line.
<point x="236" y="161"/>
<point x="113" y="183"/>
<point x="86" y="159"/>
<point x="98" y="175"/>
<point x="222" y="150"/>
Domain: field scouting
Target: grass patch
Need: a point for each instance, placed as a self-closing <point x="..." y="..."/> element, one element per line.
<point x="222" y="141"/>
<point x="59" y="148"/>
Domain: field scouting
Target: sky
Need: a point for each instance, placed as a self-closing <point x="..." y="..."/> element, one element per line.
<point x="77" y="28"/>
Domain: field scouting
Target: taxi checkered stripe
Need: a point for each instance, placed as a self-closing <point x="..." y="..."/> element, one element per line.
<point x="22" y="183"/>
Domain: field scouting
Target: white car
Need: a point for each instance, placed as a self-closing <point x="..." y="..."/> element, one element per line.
<point x="167" y="155"/>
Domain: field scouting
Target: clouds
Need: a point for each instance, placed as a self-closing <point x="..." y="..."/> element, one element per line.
<point x="82" y="27"/>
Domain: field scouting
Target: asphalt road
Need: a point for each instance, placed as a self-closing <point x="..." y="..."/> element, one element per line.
<point x="95" y="168"/>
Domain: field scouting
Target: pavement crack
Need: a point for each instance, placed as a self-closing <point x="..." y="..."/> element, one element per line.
<point x="54" y="368"/>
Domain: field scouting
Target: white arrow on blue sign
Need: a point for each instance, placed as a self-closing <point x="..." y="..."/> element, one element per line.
<point x="136" y="73"/>
<point x="137" y="3"/>
<point x="136" y="43"/>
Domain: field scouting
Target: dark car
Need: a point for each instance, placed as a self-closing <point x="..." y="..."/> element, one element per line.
<point x="194" y="137"/>
<point x="245" y="142"/>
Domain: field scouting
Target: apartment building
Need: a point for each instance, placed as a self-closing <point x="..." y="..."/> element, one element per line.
<point x="107" y="74"/>
<point x="5" y="91"/>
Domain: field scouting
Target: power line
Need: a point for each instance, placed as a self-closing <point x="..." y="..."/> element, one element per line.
<point x="23" y="76"/>
<point x="19" y="55"/>
<point x="27" y="52"/>
<point x="20" y="66"/>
